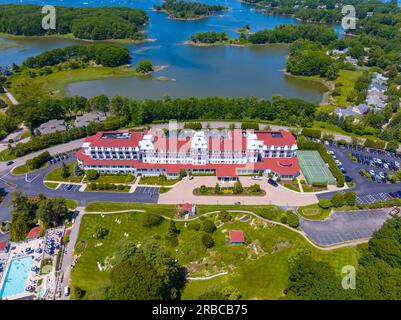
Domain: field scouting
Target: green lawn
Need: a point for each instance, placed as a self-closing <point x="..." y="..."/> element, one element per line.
<point x="23" y="169"/>
<point x="55" y="175"/>
<point x="347" y="78"/>
<point x="51" y="185"/>
<point x="115" y="178"/>
<point x="157" y="181"/>
<point x="314" y="212"/>
<point x="71" y="204"/>
<point x="5" y="155"/>
<point x="23" y="86"/>
<point x="257" y="276"/>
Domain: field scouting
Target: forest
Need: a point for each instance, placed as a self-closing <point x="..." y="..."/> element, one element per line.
<point x="106" y="55"/>
<point x="82" y="23"/>
<point x="188" y="10"/>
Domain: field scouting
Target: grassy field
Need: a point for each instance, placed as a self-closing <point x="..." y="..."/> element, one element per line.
<point x="157" y="181"/>
<point x="23" y="86"/>
<point x="55" y="175"/>
<point x="260" y="274"/>
<point x="23" y="169"/>
<point x="347" y="79"/>
<point x="314" y="212"/>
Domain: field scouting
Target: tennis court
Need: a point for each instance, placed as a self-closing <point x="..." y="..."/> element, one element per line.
<point x="314" y="168"/>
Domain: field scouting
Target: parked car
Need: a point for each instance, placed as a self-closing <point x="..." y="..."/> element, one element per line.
<point x="348" y="179"/>
<point x="66" y="291"/>
<point x="9" y="163"/>
<point x="272" y="182"/>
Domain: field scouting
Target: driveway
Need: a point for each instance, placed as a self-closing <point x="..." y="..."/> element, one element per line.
<point x="183" y="192"/>
<point x="344" y="226"/>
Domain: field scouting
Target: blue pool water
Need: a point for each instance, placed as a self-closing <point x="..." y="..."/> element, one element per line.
<point x="41" y="293"/>
<point x="16" y="277"/>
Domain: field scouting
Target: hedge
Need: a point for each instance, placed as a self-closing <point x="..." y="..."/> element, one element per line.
<point x="38" y="161"/>
<point x="374" y="143"/>
<point x="312" y="133"/>
<point x="249" y="125"/>
<point x="304" y="144"/>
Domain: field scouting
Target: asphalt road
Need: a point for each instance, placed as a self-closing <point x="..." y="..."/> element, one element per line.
<point x="32" y="184"/>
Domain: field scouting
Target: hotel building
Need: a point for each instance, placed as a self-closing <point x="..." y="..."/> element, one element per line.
<point x="226" y="154"/>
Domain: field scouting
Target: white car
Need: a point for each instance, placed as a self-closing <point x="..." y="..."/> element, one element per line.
<point x="372" y="173"/>
<point x="386" y="166"/>
<point x="66" y="291"/>
<point x="337" y="161"/>
<point x="397" y="164"/>
<point x="256" y="178"/>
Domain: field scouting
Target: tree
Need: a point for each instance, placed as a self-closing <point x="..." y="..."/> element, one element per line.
<point x="65" y="172"/>
<point x="350" y="198"/>
<point x="52" y="212"/>
<point x="183" y="173"/>
<point x="100" y="232"/>
<point x="337" y="200"/>
<point x="217" y="189"/>
<point x="144" y="66"/>
<point x="207" y="240"/>
<point x="91" y="174"/>
<point x="172" y="234"/>
<point x="208" y="226"/>
<point x="78" y="293"/>
<point x="292" y="219"/>
<point x="325" y="203"/>
<point x="312" y="280"/>
<point x="100" y="103"/>
<point x="238" y="187"/>
<point x="151" y="220"/>
<point x="149" y="273"/>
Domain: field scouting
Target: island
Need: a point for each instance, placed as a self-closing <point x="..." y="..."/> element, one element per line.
<point x="183" y="10"/>
<point x="81" y="23"/>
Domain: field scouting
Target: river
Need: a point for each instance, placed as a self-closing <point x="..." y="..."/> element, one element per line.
<point x="193" y="71"/>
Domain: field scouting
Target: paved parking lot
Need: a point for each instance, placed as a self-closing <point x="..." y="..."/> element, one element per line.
<point x="146" y="190"/>
<point x="370" y="198"/>
<point x="69" y="187"/>
<point x="344" y="226"/>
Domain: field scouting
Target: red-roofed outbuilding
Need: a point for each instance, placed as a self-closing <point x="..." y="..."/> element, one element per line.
<point x="4" y="245"/>
<point x="237" y="237"/>
<point x="34" y="232"/>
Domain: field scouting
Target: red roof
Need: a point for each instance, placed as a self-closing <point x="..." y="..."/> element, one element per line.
<point x="99" y="140"/>
<point x="236" y="236"/>
<point x="282" y="166"/>
<point x="277" y="138"/>
<point x="34" y="232"/>
<point x="186" y="206"/>
<point x="3" y="245"/>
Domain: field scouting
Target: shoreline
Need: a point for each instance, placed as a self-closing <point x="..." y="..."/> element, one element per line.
<point x="72" y="37"/>
<point x="172" y="17"/>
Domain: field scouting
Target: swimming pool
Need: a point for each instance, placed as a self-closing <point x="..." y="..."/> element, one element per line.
<point x="16" y="277"/>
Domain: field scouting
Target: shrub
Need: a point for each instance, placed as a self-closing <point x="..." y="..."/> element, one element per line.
<point x="203" y="189"/>
<point x="207" y="240"/>
<point x="92" y="174"/>
<point x="374" y="143"/>
<point x="193" y="125"/>
<point x="337" y="200"/>
<point x="319" y="184"/>
<point x="292" y="219"/>
<point x="249" y="125"/>
<point x="255" y="188"/>
<point x="350" y="198"/>
<point x="120" y="187"/>
<point x="312" y="133"/>
<point x="78" y="293"/>
<point x="208" y="226"/>
<point x="38" y="161"/>
<point x="100" y="232"/>
<point x="224" y="216"/>
<point x="238" y="188"/>
<point x="325" y="203"/>
<point x="283" y="219"/>
<point x="151" y="220"/>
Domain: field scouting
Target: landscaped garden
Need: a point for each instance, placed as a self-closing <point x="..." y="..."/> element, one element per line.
<point x="51" y="185"/>
<point x="290" y="184"/>
<point x="112" y="178"/>
<point x="108" y="187"/>
<point x="64" y="173"/>
<point x="257" y="270"/>
<point x="157" y="181"/>
<point x="236" y="190"/>
<point x="23" y="169"/>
